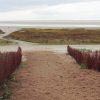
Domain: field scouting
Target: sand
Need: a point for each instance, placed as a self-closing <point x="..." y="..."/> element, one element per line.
<point x="49" y="76"/>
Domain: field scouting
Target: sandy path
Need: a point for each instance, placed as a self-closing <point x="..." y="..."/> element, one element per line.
<point x="49" y="76"/>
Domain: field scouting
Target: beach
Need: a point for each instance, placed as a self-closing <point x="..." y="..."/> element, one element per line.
<point x="48" y="72"/>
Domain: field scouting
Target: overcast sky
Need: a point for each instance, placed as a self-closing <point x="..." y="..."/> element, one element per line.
<point x="49" y="9"/>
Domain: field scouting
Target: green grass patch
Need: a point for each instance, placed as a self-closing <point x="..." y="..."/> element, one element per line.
<point x="6" y="91"/>
<point x="83" y="66"/>
<point x="5" y="42"/>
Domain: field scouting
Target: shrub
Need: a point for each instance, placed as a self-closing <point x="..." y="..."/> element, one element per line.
<point x="89" y="59"/>
<point x="9" y="62"/>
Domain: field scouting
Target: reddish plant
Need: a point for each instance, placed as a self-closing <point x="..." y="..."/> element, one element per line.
<point x="9" y="62"/>
<point x="90" y="59"/>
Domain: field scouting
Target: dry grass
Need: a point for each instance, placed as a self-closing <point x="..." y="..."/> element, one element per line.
<point x="58" y="36"/>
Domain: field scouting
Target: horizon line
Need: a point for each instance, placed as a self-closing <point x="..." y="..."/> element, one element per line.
<point x="75" y="20"/>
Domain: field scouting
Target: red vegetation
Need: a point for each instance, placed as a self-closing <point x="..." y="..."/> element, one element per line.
<point x="9" y="62"/>
<point x="89" y="59"/>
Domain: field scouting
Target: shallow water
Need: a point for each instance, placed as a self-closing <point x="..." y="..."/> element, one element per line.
<point x="52" y="24"/>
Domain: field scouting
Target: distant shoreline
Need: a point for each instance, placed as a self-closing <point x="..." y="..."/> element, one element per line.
<point x="50" y="26"/>
<point x="53" y="23"/>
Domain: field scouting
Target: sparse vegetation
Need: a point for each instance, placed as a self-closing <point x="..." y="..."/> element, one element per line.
<point x="5" y="87"/>
<point x="6" y="92"/>
<point x="58" y="36"/>
<point x="5" y="42"/>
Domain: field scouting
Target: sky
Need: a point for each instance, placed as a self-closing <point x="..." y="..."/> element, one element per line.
<point x="49" y="10"/>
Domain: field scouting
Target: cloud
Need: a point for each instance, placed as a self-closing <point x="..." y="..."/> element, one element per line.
<point x="7" y="5"/>
<point x="67" y="11"/>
